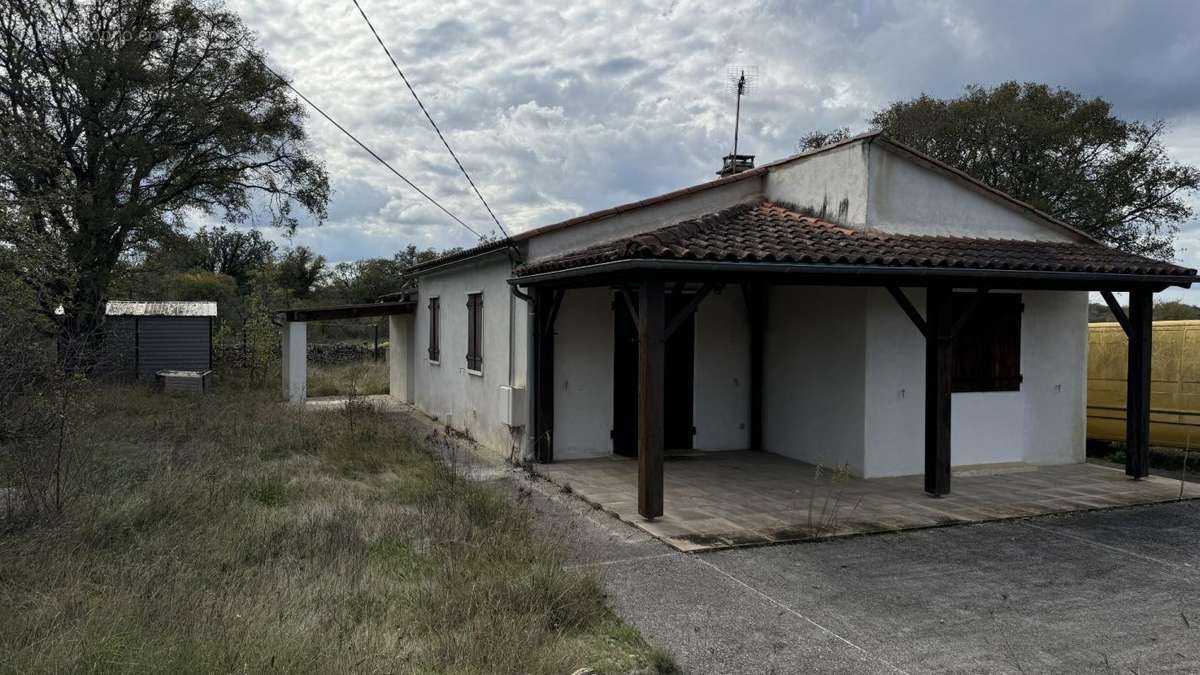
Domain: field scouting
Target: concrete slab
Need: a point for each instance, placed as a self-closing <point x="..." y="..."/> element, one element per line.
<point x="719" y="500"/>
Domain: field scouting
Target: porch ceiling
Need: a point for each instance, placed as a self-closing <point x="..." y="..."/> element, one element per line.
<point x="723" y="499"/>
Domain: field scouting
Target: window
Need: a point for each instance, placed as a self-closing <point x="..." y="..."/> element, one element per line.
<point x="434" y="306"/>
<point x="987" y="349"/>
<point x="475" y="332"/>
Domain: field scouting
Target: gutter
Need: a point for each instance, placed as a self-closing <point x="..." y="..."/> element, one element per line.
<point x="810" y="269"/>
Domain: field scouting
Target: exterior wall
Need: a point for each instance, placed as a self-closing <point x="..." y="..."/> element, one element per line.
<point x="721" y="408"/>
<point x="831" y="185"/>
<point x="907" y="198"/>
<point x="445" y="390"/>
<point x="1043" y="423"/>
<point x="814" y="364"/>
<point x="640" y="220"/>
<point x="400" y="355"/>
<point x="583" y="374"/>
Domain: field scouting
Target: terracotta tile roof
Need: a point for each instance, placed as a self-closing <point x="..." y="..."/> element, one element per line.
<point x="768" y="233"/>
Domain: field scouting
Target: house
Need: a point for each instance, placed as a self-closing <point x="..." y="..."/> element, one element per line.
<point x="144" y="338"/>
<point x="860" y="305"/>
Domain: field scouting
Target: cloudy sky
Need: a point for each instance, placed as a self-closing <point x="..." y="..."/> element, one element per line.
<point x="557" y="110"/>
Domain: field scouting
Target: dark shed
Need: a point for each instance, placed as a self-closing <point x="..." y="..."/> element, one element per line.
<point x="146" y="337"/>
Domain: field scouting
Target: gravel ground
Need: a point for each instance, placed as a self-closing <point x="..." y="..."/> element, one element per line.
<point x="1106" y="591"/>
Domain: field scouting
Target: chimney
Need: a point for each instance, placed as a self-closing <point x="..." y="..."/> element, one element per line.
<point x="731" y="164"/>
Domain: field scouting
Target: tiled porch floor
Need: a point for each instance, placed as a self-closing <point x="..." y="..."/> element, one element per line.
<point x="722" y="499"/>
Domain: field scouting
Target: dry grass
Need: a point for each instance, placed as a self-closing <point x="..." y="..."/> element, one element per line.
<point x="362" y="378"/>
<point x="229" y="533"/>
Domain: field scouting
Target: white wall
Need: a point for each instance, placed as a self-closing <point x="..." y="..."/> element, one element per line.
<point x="831" y="185"/>
<point x="645" y="219"/>
<point x="1055" y="385"/>
<point x="1042" y="423"/>
<point x="814" y="372"/>
<point x="721" y="407"/>
<point x="446" y="390"/>
<point x="907" y="198"/>
<point x="583" y="374"/>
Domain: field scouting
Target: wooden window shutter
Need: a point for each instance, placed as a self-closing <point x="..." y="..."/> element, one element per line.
<point x="987" y="349"/>
<point x="475" y="331"/>
<point x="434" y="352"/>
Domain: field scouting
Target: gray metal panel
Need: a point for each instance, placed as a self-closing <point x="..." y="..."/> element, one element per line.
<point x="172" y="343"/>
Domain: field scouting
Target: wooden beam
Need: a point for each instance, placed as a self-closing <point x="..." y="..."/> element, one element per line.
<point x="970" y="309"/>
<point x="652" y="319"/>
<point x="939" y="351"/>
<point x="627" y="293"/>
<point x="687" y="310"/>
<point x="543" y="373"/>
<point x="755" y="294"/>
<point x="1117" y="310"/>
<point x="334" y="312"/>
<point x="1137" y="399"/>
<point x="555" y="304"/>
<point x="907" y="306"/>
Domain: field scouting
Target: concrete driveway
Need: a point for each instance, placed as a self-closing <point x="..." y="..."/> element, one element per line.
<point x="1103" y="591"/>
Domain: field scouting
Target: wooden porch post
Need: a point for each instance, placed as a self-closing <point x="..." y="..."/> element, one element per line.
<point x="652" y="320"/>
<point x="1137" y="401"/>
<point x="545" y="307"/>
<point x="756" y="308"/>
<point x="939" y="350"/>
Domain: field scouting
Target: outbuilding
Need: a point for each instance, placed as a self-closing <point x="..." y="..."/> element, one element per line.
<point x="147" y="337"/>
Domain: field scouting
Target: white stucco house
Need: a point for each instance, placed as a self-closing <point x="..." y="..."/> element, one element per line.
<point x="860" y="305"/>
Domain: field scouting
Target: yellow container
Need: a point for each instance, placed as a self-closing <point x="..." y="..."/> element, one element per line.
<point x="1174" y="385"/>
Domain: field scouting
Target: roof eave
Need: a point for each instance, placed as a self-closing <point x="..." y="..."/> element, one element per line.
<point x="1105" y="280"/>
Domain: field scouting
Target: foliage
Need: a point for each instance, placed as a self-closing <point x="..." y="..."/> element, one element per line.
<point x="1065" y="154"/>
<point x="122" y="117"/>
<point x="819" y="139"/>
<point x="299" y="271"/>
<point x="1164" y="310"/>
<point x="228" y="533"/>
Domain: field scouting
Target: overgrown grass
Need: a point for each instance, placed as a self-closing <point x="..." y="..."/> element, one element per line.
<point x="362" y="378"/>
<point x="229" y="533"/>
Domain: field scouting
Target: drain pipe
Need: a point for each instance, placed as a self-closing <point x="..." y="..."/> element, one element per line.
<point x="530" y="336"/>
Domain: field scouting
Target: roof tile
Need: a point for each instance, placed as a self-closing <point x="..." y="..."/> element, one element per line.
<point x="767" y="232"/>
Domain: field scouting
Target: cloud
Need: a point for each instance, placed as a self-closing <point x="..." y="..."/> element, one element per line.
<point x="559" y="110"/>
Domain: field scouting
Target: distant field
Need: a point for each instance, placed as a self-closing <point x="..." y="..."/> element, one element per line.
<point x="231" y="533"/>
<point x="363" y="378"/>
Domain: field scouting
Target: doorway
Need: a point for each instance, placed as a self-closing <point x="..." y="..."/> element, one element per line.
<point x="679" y="428"/>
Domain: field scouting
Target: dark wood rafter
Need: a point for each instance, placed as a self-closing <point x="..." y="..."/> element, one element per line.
<point x="966" y="315"/>
<point x="1137" y="402"/>
<point x="1117" y="310"/>
<point x="755" y="294"/>
<point x="689" y="309"/>
<point x="627" y="293"/>
<point x="939" y="352"/>
<point x="907" y="306"/>
<point x="652" y="319"/>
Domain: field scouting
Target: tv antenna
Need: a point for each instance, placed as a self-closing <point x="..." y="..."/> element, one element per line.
<point x="742" y="80"/>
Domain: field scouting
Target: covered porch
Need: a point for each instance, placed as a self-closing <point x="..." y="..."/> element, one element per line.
<point x="935" y="285"/>
<point x="718" y="500"/>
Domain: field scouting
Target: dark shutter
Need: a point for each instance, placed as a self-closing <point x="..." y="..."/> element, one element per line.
<point x="987" y="349"/>
<point x="434" y="352"/>
<point x="475" y="331"/>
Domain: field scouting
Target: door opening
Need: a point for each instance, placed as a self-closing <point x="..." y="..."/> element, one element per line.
<point x="678" y="423"/>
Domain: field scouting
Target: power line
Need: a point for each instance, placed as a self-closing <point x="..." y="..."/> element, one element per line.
<point x="342" y="129"/>
<point x="430" y="118"/>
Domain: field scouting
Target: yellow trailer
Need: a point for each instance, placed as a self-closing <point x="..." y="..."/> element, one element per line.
<point x="1174" y="387"/>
